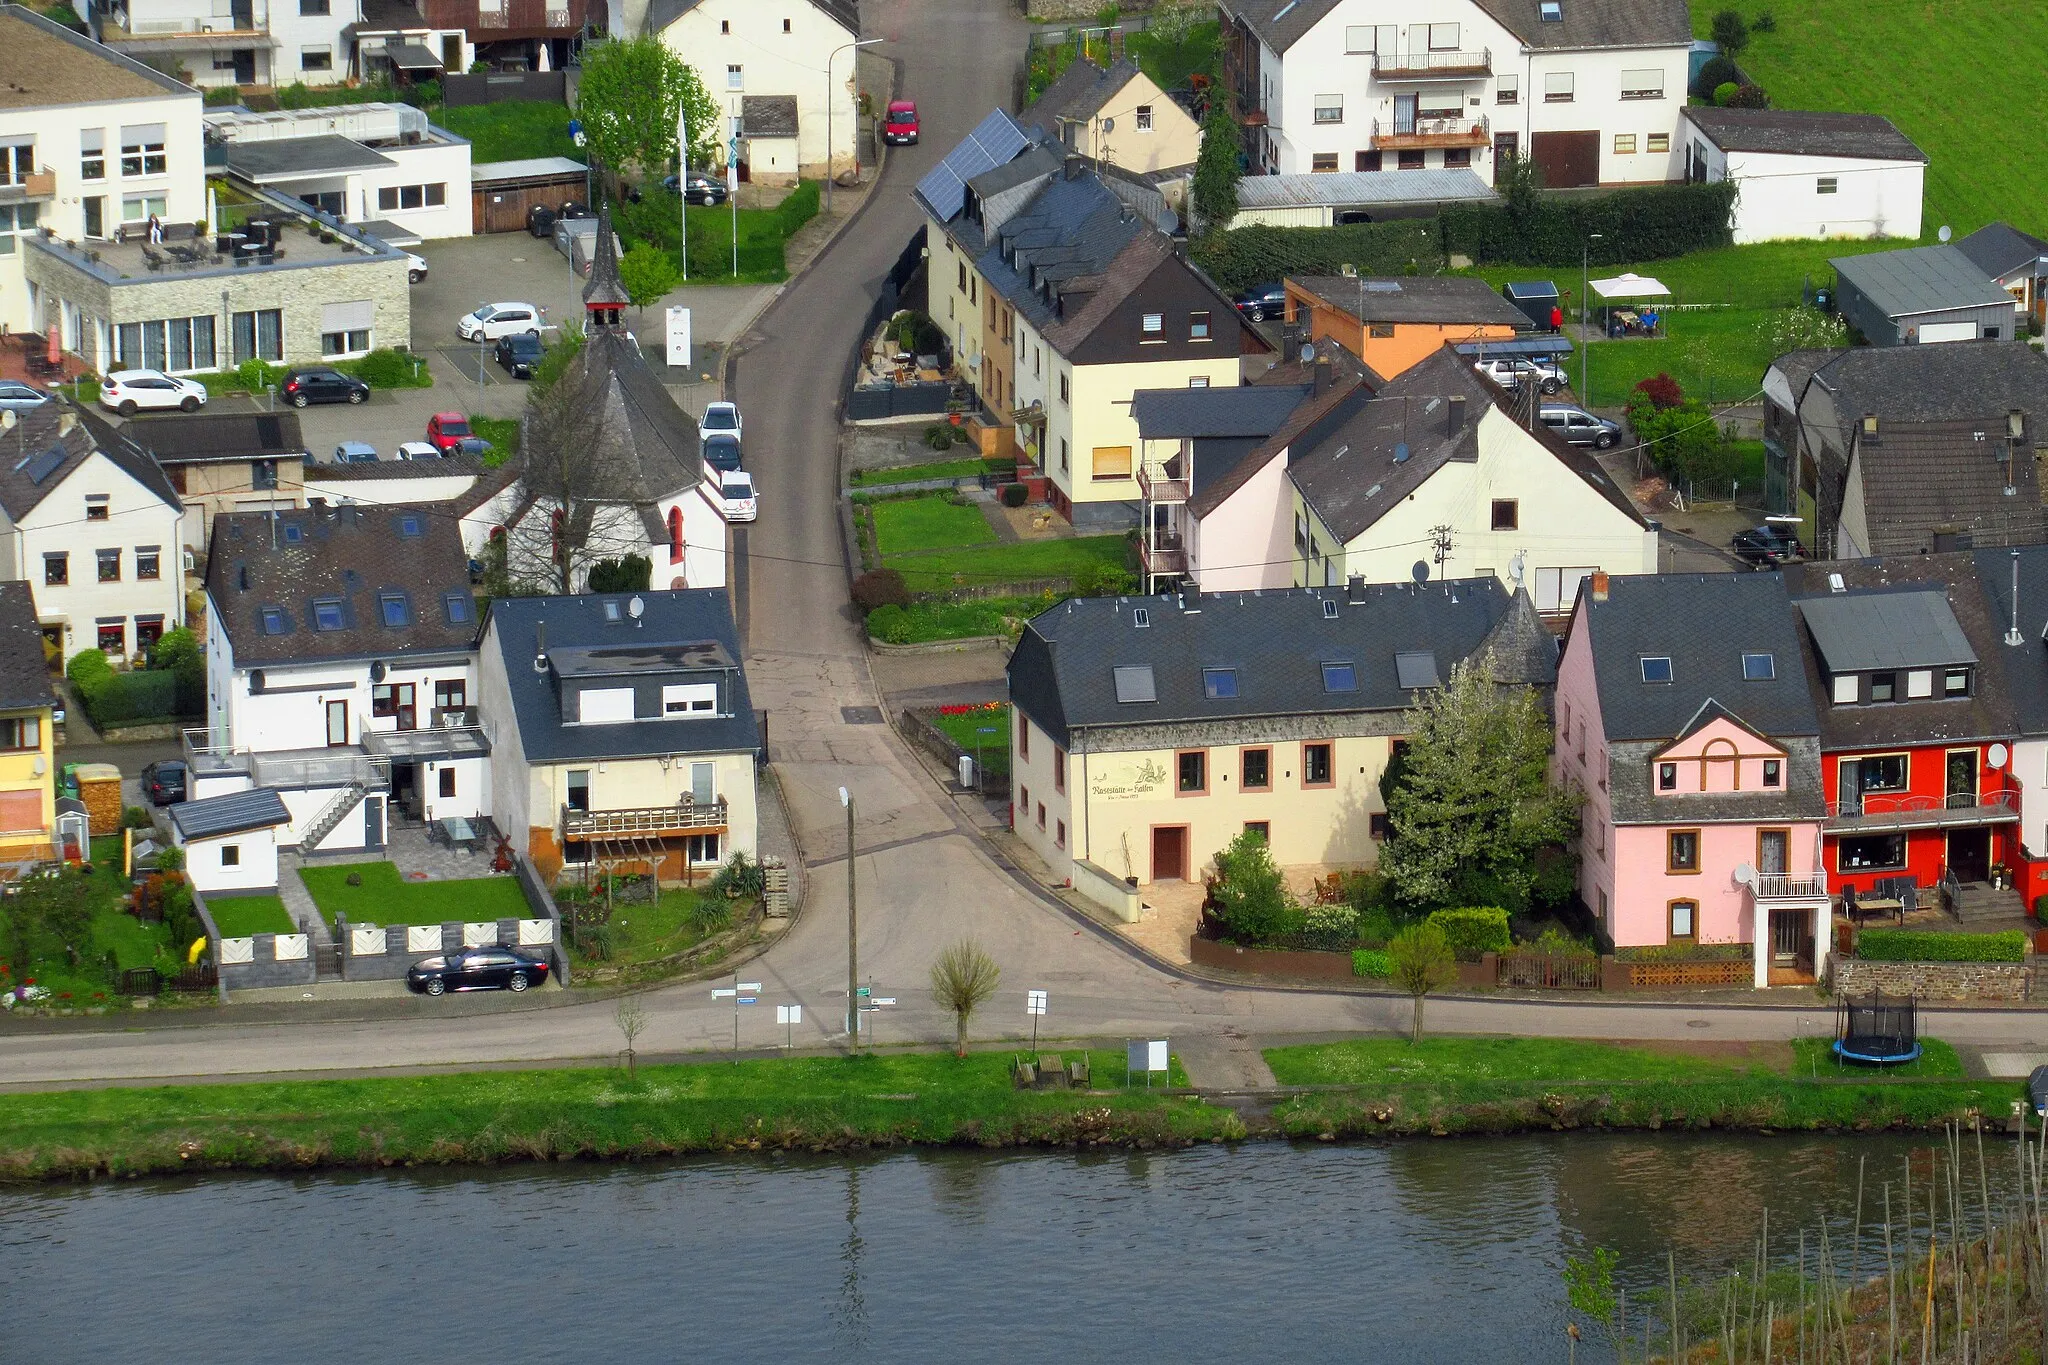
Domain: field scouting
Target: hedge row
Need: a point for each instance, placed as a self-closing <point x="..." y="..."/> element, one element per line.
<point x="1645" y="224"/>
<point x="1247" y="256"/>
<point x="1917" y="945"/>
<point x="121" y="698"/>
<point x="1371" y="962"/>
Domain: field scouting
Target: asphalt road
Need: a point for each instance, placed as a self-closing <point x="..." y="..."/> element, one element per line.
<point x="923" y="881"/>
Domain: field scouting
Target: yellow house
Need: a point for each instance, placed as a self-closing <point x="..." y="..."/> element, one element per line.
<point x="1118" y="116"/>
<point x="1150" y="732"/>
<point x="27" y="789"/>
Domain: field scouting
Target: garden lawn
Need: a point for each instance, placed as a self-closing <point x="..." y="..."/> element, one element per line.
<point x="1906" y="59"/>
<point x="1764" y="275"/>
<point x="936" y="570"/>
<point x="970" y="619"/>
<point x="1718" y="357"/>
<point x="387" y="898"/>
<point x="512" y="130"/>
<point x="965" y="730"/>
<point x="937" y="469"/>
<point x="1394" y="1061"/>
<point x="927" y="523"/>
<point x="241" y="916"/>
<point x="113" y="930"/>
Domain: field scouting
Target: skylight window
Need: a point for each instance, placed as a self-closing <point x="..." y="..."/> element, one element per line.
<point x="327" y="614"/>
<point x="274" y="621"/>
<point x="1140" y="617"/>
<point x="611" y="609"/>
<point x="1416" y="669"/>
<point x="1657" y="669"/>
<point x="410" y="526"/>
<point x="1219" y="684"/>
<point x="1759" y="667"/>
<point x="1329" y="608"/>
<point x="1134" y="683"/>
<point x="456" y="605"/>
<point x="294" y="533"/>
<point x="1551" y="11"/>
<point x="1340" y="678"/>
<point x="395" y="608"/>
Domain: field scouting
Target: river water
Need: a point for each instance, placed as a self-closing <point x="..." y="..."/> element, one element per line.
<point x="1421" y="1251"/>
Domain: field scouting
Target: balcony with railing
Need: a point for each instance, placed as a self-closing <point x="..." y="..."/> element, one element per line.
<point x="1158" y="482"/>
<point x="34" y="187"/>
<point x="1432" y="66"/>
<point x="1879" y="811"/>
<point x="1413" y="134"/>
<point x="320" y="769"/>
<point x="1163" y="555"/>
<point x="459" y="738"/>
<point x="1779" y="886"/>
<point x="644" y="822"/>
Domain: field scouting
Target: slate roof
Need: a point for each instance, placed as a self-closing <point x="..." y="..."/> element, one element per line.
<point x="353" y="554"/>
<point x="1859" y="632"/>
<point x="995" y="140"/>
<point x="1453" y="299"/>
<point x="2025" y="665"/>
<point x="1704" y="623"/>
<point x="1343" y="397"/>
<point x="1630" y="798"/>
<point x="1985" y="714"/>
<point x="234" y="813"/>
<point x="1244" y="410"/>
<point x="768" y="115"/>
<point x="1999" y="250"/>
<point x="24" y="682"/>
<point x="1869" y="137"/>
<point x="1079" y="94"/>
<point x="1585" y="23"/>
<point x="1063" y="670"/>
<point x="1069" y="235"/>
<point x="604" y="289"/>
<point x="662" y="13"/>
<point x="689" y="616"/>
<point x="1924" y="477"/>
<point x="49" y="454"/>
<point x="1956" y="380"/>
<point x="1919" y="279"/>
<point x="298" y="157"/>
<point x="207" y="437"/>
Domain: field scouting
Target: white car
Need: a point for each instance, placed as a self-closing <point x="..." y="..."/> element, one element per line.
<point x="415" y="267"/>
<point x="722" y="417"/>
<point x="417" y="450"/>
<point x="1509" y="371"/>
<point x="127" y="391"/>
<point x="495" y="320"/>
<point x="736" y="487"/>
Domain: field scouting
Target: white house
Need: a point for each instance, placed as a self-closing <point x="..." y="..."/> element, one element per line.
<point x="341" y="671"/>
<point x="275" y="42"/>
<point x="361" y="163"/>
<point x="1806" y="175"/>
<point x="89" y="140"/>
<point x="1350" y="483"/>
<point x="1590" y="89"/>
<point x="230" y="840"/>
<point x="626" y="738"/>
<point x="741" y="48"/>
<point x="92" y="527"/>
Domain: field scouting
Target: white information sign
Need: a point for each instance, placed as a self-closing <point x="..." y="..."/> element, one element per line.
<point x="679" y="336"/>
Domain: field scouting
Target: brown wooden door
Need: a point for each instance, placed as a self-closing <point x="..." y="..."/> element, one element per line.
<point x="1169" y="853"/>
<point x="1566" y="159"/>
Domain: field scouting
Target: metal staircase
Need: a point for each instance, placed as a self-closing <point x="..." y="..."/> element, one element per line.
<point x="331" y="815"/>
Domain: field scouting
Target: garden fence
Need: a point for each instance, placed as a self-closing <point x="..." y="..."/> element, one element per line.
<point x="1548" y="971"/>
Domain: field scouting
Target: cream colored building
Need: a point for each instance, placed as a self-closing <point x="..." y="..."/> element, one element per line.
<point x="27" y="791"/>
<point x="1150" y="732"/>
<point x="1118" y="116"/>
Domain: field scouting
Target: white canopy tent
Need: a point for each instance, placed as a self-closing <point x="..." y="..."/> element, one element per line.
<point x="1630" y="286"/>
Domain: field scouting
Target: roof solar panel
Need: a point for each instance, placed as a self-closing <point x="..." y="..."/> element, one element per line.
<point x="994" y="142"/>
<point x="44" y="463"/>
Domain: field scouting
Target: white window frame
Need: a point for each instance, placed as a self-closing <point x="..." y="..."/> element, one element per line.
<point x="1644" y="83"/>
<point x="1507" y="88"/>
<point x="1443" y="37"/>
<point x="1329" y="108"/>
<point x="1826" y="184"/>
<point x="604" y="706"/>
<point x="735" y="76"/>
<point x="1559" y="87"/>
<point x="688" y="700"/>
<point x="1144" y="117"/>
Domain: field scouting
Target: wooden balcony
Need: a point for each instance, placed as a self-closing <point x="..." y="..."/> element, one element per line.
<point x="1169" y="555"/>
<point x="644" y="822"/>
<point x="1158" y="485"/>
<point x="1432" y="66"/>
<point x="1431" y="132"/>
<point x="31" y="188"/>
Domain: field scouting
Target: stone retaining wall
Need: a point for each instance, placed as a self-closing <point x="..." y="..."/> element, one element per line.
<point x="1932" y="980"/>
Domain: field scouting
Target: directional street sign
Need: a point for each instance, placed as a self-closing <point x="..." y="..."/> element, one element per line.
<point x="1034" y="1002"/>
<point x="723" y="994"/>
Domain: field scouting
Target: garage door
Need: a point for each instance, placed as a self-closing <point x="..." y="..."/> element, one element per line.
<point x="1567" y="159"/>
<point x="1949" y="331"/>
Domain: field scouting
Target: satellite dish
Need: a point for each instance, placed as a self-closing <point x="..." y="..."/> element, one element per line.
<point x="1998" y="753"/>
<point x="1944" y="233"/>
<point x="1420" y="573"/>
<point x="1745" y="875"/>
<point x="635" y="607"/>
<point x="1308" y="352"/>
<point x="1109" y="125"/>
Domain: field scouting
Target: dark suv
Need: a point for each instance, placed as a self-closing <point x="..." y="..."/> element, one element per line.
<point x="322" y="384"/>
<point x="163" y="782"/>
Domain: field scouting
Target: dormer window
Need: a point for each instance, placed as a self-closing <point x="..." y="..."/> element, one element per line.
<point x="1955" y="682"/>
<point x="1667" y="777"/>
<point x="327" y="614"/>
<point x="274" y="621"/>
<point x="1656" y="668"/>
<point x="1884" y="686"/>
<point x="456" y="606"/>
<point x="689" y="699"/>
<point x="395" y="608"/>
<point x="1774" y="772"/>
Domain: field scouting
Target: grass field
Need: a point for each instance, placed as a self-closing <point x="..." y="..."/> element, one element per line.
<point x="387" y="898"/>
<point x="936" y="469"/>
<point x="512" y="130"/>
<point x="1718" y="357"/>
<point x="928" y="523"/>
<point x="935" y="570"/>
<point x="1908" y="60"/>
<point x="644" y="932"/>
<point x="961" y="620"/>
<point x="241" y="916"/>
<point x="994" y="748"/>
<point x="1766" y="275"/>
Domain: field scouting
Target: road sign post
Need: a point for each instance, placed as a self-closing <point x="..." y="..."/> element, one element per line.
<point x="1035" y="1003"/>
<point x="789" y="1016"/>
<point x="740" y="993"/>
<point x="869" y="1003"/>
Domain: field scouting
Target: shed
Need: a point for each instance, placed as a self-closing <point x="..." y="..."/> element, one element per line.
<point x="1536" y="298"/>
<point x="1807" y="174"/>
<point x="1922" y="294"/>
<point x="503" y="191"/>
<point x="74" y="830"/>
<point x="230" y="841"/>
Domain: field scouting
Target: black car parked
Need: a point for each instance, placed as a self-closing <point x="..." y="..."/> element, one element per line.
<point x="702" y="190"/>
<point x="320" y="384"/>
<point x="1767" y="546"/>
<point x="163" y="782"/>
<point x="721" y="452"/>
<point x="519" y="353"/>
<point x="489" y="968"/>
<point x="1263" y="301"/>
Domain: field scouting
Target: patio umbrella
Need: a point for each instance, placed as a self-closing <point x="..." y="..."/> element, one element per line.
<point x="56" y="353"/>
<point x="541" y="58"/>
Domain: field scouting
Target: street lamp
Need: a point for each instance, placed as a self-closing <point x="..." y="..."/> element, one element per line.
<point x="844" y="47"/>
<point x="1585" y="288"/>
<point x="683" y="184"/>
<point x="852" y="939"/>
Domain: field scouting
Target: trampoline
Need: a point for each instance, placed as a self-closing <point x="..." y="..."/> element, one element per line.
<point x="1880" y="1031"/>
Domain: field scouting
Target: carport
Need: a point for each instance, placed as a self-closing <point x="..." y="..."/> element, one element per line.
<point x="503" y="191"/>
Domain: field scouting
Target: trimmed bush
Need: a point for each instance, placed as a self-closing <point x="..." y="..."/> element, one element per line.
<point x="880" y="588"/>
<point x="1918" y="945"/>
<point x="1252" y="903"/>
<point x="2041" y="908"/>
<point x="1015" y="495"/>
<point x="801" y="206"/>
<point x="1716" y="72"/>
<point x="385" y="368"/>
<point x="1104" y="580"/>
<point x="1371" y="962"/>
<point x="1636" y="225"/>
<point x="1331" y="928"/>
<point x="890" y="624"/>
<point x="1474" y="930"/>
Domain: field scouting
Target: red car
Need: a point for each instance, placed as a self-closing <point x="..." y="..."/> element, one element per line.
<point x="447" y="430"/>
<point x="899" y="125"/>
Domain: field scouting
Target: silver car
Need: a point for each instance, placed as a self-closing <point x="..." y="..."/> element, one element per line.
<point x="1579" y="427"/>
<point x="1509" y="372"/>
<point x="18" y="397"/>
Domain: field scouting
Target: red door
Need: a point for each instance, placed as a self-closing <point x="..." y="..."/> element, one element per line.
<point x="1169" y="853"/>
<point x="1566" y="160"/>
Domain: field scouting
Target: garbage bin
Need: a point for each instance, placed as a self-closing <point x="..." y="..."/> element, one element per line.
<point x="967" y="771"/>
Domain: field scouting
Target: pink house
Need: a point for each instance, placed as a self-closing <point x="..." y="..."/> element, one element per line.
<point x="1683" y="713"/>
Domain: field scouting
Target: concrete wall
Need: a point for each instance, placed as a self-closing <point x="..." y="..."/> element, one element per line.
<point x="399" y="952"/>
<point x="1932" y="980"/>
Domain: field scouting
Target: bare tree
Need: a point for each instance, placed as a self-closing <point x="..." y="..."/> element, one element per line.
<point x="1422" y="963"/>
<point x="632" y="1020"/>
<point x="963" y="979"/>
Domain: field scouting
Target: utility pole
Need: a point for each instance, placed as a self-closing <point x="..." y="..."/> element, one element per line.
<point x="865" y="42"/>
<point x="1440" y="547"/>
<point x="1585" y="289"/>
<point x="852" y="937"/>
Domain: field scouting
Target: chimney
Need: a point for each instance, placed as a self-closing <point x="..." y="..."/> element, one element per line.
<point x="1191" y="597"/>
<point x="1870" y="433"/>
<point x="1072" y="167"/>
<point x="1354" y="588"/>
<point x="1454" y="419"/>
<point x="1322" y="376"/>
<point x="1599" y="585"/>
<point x="66" y="420"/>
<point x="2015" y="425"/>
<point x="540" y="646"/>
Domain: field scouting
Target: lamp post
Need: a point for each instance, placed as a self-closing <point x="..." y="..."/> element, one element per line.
<point x="683" y="184"/>
<point x="1585" y="288"/>
<point x="844" y="47"/>
<point x="852" y="937"/>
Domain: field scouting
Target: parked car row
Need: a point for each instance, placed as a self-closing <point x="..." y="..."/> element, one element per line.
<point x="718" y="434"/>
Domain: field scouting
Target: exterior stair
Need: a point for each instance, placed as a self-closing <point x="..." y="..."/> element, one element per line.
<point x="331" y="815"/>
<point x="1977" y="906"/>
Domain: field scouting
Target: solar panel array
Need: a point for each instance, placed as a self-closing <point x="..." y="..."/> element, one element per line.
<point x="995" y="141"/>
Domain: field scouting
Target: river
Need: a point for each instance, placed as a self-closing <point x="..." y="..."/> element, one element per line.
<point x="1421" y="1251"/>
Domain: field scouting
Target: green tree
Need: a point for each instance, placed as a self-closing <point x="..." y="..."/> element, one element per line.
<point x="1251" y="896"/>
<point x="963" y="979"/>
<point x="1474" y="799"/>
<point x="1731" y="32"/>
<point x="553" y="362"/>
<point x="61" y="905"/>
<point x="1423" y="962"/>
<point x="627" y="573"/>
<point x="1216" y="166"/>
<point x="180" y="652"/>
<point x="630" y="101"/>
<point x="1589" y="1288"/>
<point x="648" y="273"/>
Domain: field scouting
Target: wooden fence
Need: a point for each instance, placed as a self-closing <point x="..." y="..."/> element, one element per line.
<point x="1694" y="974"/>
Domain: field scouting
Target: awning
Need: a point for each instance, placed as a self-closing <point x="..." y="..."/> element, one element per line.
<point x="389" y="233"/>
<point x="1537" y="345"/>
<point x="1630" y="287"/>
<point x="412" y="57"/>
